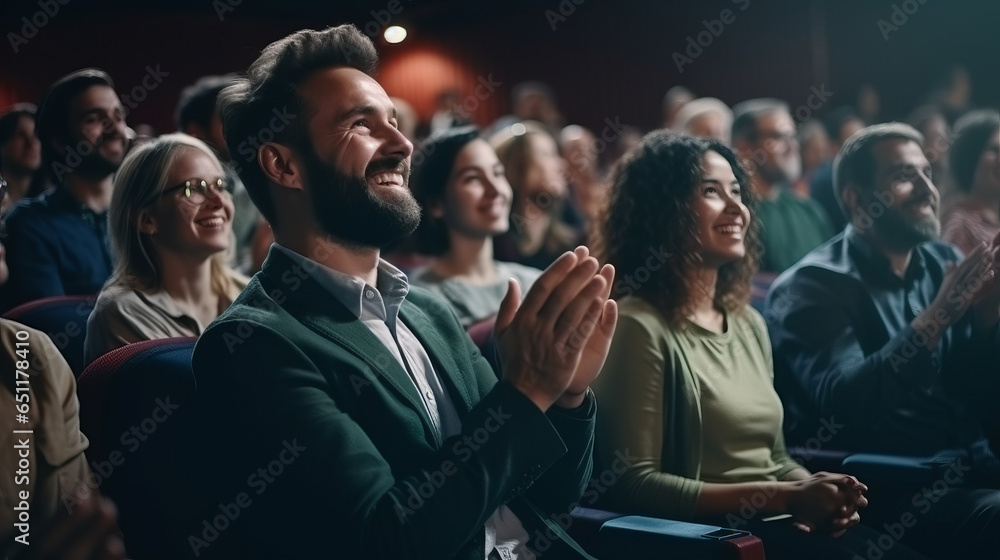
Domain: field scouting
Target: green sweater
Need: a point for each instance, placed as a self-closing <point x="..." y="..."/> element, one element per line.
<point x="792" y="227"/>
<point x="686" y="407"/>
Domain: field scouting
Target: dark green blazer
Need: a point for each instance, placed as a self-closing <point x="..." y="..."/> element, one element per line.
<point x="312" y="432"/>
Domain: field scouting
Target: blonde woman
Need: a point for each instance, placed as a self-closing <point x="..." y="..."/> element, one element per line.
<point x="170" y="228"/>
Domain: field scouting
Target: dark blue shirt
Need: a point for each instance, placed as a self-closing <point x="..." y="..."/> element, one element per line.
<point x="55" y="246"/>
<point x="847" y="360"/>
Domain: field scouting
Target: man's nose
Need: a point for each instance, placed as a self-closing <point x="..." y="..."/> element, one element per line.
<point x="396" y="143"/>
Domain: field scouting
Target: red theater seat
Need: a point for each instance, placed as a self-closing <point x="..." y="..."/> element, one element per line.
<point x="63" y="319"/>
<point x="615" y="536"/>
<point x="134" y="405"/>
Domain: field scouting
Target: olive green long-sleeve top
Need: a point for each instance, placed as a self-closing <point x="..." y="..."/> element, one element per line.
<point x="681" y="407"/>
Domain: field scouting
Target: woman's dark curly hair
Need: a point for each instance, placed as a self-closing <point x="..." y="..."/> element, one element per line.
<point x="432" y="164"/>
<point x="649" y="213"/>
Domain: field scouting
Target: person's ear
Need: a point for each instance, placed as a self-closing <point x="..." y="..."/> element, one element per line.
<point x="281" y="165"/>
<point x="744" y="151"/>
<point x="851" y="197"/>
<point x="147" y="224"/>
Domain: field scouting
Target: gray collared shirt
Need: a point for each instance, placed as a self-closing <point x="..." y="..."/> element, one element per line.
<point x="378" y="308"/>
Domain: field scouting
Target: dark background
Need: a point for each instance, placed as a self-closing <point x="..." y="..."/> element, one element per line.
<point x="607" y="59"/>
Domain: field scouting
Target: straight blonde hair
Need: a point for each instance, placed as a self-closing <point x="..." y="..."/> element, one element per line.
<point x="138" y="185"/>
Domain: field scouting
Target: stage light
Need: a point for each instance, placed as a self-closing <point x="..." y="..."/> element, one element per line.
<point x="395" y="34"/>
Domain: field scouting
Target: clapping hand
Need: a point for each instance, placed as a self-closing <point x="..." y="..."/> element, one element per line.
<point x="553" y="345"/>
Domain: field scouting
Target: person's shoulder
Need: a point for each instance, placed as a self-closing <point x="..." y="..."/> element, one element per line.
<point x="641" y="314"/>
<point x="9" y="330"/>
<point x="424" y="277"/>
<point x="121" y="314"/>
<point x="828" y="258"/>
<point x="254" y="317"/>
<point x="748" y="318"/>
<point x="30" y="212"/>
<point x="525" y="275"/>
<point x="941" y="250"/>
<point x="118" y="296"/>
<point x="953" y="212"/>
<point x="805" y="204"/>
<point x="237" y="280"/>
<point x="43" y="354"/>
<point x="253" y="303"/>
<point x="814" y="207"/>
<point x="825" y="275"/>
<point x="426" y="298"/>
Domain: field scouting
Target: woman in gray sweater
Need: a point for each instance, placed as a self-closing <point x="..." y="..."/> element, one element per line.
<point x="466" y="200"/>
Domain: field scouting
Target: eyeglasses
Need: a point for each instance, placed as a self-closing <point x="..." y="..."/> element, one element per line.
<point x="197" y="190"/>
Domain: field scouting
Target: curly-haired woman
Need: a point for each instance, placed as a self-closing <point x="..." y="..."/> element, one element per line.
<point x="689" y="415"/>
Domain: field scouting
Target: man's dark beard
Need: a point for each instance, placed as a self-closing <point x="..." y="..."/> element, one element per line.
<point x="775" y="174"/>
<point x="351" y="212"/>
<point x="16" y="169"/>
<point x="96" y="166"/>
<point x="895" y="229"/>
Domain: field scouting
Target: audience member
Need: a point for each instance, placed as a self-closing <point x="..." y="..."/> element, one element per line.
<point x="816" y="152"/>
<point x="586" y="185"/>
<point x="687" y="387"/>
<point x="536" y="172"/>
<point x="953" y="95"/>
<point x="626" y="141"/>
<point x="40" y="381"/>
<point x="841" y="123"/>
<point x="881" y="334"/>
<point x="37" y="381"/>
<point x="197" y="113"/>
<point x="449" y="113"/>
<point x="198" y="116"/>
<point x="532" y="101"/>
<point x="869" y="105"/>
<point x="973" y="216"/>
<point x="706" y="117"/>
<point x="675" y="99"/>
<point x="764" y="136"/>
<point x="466" y="199"/>
<point x="372" y="389"/>
<point x="144" y="132"/>
<point x="171" y="225"/>
<point x="931" y="123"/>
<point x="20" y="155"/>
<point x="57" y="243"/>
